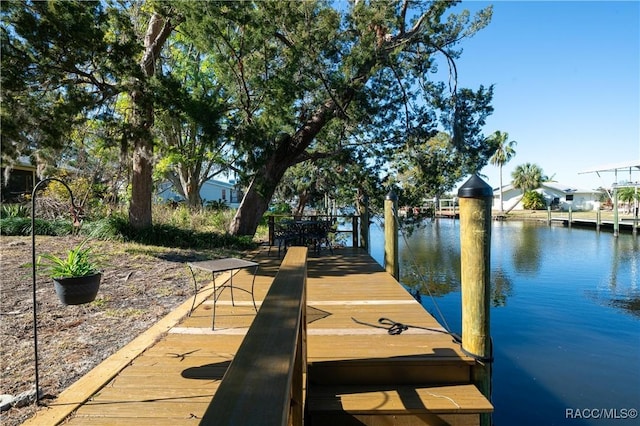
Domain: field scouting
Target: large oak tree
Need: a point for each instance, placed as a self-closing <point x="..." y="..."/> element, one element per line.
<point x="308" y="80"/>
<point x="301" y="81"/>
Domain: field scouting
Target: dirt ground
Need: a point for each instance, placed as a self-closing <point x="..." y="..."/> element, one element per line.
<point x="140" y="285"/>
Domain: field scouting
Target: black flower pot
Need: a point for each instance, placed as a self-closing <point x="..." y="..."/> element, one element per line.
<point x="77" y="290"/>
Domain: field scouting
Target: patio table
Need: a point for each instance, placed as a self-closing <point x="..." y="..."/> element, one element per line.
<point x="215" y="266"/>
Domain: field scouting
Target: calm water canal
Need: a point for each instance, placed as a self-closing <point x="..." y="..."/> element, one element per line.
<point x="565" y="316"/>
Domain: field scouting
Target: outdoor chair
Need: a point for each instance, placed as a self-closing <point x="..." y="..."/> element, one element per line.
<point x="317" y="233"/>
<point x="284" y="235"/>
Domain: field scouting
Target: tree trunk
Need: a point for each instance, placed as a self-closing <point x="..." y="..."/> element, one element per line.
<point x="191" y="190"/>
<point x="303" y="198"/>
<point x="258" y="196"/>
<point x="254" y="204"/>
<point x="141" y="184"/>
<point x="513" y="206"/>
<point x="140" y="217"/>
<point x="194" y="201"/>
<point x="501" y="201"/>
<point x="250" y="212"/>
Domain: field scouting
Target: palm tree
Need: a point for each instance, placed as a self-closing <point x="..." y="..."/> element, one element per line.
<point x="504" y="153"/>
<point x="528" y="177"/>
<point x="628" y="195"/>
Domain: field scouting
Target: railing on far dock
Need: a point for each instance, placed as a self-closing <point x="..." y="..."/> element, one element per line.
<point x="355" y="231"/>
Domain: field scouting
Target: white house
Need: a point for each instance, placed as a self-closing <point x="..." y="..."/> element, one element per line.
<point x="212" y="190"/>
<point x="557" y="195"/>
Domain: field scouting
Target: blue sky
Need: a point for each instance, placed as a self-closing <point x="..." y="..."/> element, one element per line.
<point x="567" y="84"/>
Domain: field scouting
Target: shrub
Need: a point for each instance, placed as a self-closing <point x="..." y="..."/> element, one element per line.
<point x="533" y="200"/>
<point x="216" y="205"/>
<point x="15" y="226"/>
<point x="117" y="227"/>
<point x="15" y="210"/>
<point x="107" y="228"/>
<point x="22" y="226"/>
<point x="220" y="220"/>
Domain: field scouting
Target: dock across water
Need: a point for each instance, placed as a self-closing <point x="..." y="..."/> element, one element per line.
<point x="354" y="371"/>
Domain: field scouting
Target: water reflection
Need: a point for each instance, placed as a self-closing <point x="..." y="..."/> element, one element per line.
<point x="501" y="287"/>
<point x="565" y="319"/>
<point x="605" y="268"/>
<point x="431" y="265"/>
<point x="526" y="249"/>
<point x="617" y="290"/>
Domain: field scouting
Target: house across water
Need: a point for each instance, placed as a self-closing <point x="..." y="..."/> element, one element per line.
<point x="557" y="195"/>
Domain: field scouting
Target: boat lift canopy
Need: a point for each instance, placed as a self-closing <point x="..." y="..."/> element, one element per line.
<point x="630" y="166"/>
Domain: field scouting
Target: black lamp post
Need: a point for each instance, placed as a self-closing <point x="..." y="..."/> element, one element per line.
<point x="74" y="212"/>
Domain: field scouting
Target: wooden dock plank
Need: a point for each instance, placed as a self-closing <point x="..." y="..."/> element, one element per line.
<point x="137" y="420"/>
<point x="399" y="399"/>
<point x="110" y="395"/>
<point x="325" y="348"/>
<point x="142" y="408"/>
<point x="169" y="376"/>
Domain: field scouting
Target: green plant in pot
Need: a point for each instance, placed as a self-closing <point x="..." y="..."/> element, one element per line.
<point x="76" y="277"/>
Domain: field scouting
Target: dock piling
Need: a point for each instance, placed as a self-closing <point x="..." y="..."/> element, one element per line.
<point x="391" y="264"/>
<point x="364" y="223"/>
<point x="475" y="247"/>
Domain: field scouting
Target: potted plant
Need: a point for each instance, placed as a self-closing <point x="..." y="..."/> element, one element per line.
<point x="76" y="277"/>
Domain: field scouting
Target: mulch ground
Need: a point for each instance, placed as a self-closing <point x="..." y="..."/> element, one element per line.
<point x="140" y="285"/>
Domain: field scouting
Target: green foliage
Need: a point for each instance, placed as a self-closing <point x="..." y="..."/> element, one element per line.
<point x="15" y="226"/>
<point x="310" y="82"/>
<point x="430" y="168"/>
<point x="280" y="208"/>
<point x="253" y="87"/>
<point x="22" y="226"/>
<point x="221" y="219"/>
<point x="216" y="205"/>
<point x="628" y="194"/>
<point x="192" y="124"/>
<point x="107" y="228"/>
<point x="166" y="235"/>
<point x="59" y="60"/>
<point x="181" y="217"/>
<point x="79" y="262"/>
<point x="528" y="177"/>
<point x="533" y="200"/>
<point x="504" y="151"/>
<point x="14" y="210"/>
<point x="117" y="227"/>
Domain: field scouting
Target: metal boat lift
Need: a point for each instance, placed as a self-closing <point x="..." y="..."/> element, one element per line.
<point x="631" y="167"/>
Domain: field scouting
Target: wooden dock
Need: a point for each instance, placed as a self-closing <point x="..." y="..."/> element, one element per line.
<point x="623" y="225"/>
<point x="357" y="372"/>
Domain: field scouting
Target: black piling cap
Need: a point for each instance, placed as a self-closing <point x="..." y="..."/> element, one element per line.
<point x="391" y="196"/>
<point x="475" y="187"/>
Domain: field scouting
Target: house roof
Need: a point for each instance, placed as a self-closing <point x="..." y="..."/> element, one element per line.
<point x="567" y="188"/>
<point x="219" y="183"/>
<point x="556" y="186"/>
<point x="22" y="162"/>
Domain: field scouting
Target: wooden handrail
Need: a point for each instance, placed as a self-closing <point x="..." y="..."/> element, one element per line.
<point x="264" y="383"/>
